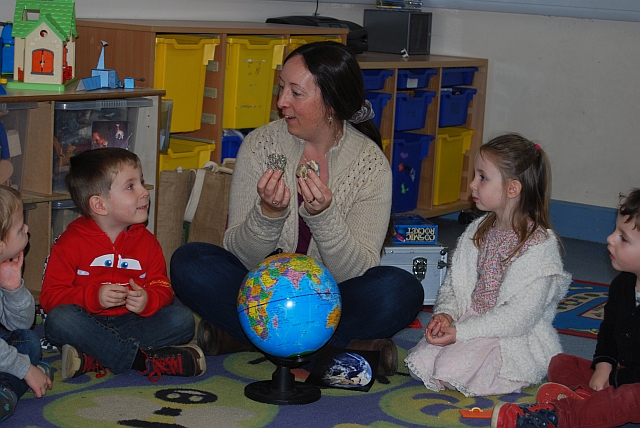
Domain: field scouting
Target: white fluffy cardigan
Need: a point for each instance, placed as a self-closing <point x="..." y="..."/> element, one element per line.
<point x="523" y="314"/>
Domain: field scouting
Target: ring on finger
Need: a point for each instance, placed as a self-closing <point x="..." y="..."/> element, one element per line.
<point x="311" y="200"/>
<point x="275" y="203"/>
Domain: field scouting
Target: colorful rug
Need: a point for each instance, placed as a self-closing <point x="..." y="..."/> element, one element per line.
<point x="217" y="400"/>
<point x="582" y="310"/>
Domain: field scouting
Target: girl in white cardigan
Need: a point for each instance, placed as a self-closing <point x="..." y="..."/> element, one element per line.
<point x="491" y="332"/>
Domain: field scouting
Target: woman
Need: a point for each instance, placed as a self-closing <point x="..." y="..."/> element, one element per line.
<point x="339" y="216"/>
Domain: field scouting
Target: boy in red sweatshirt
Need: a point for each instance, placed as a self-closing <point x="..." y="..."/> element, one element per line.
<point x="105" y="290"/>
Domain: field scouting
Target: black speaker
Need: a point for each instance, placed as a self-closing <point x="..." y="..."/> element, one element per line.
<point x="392" y="31"/>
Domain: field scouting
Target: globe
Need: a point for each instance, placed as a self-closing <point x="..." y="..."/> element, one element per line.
<point x="289" y="305"/>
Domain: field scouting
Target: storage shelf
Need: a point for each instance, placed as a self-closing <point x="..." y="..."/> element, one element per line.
<point x="475" y="119"/>
<point x="37" y="165"/>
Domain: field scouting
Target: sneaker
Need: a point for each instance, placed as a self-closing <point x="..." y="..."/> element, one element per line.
<point x="75" y="363"/>
<point x="46" y="369"/>
<point x="523" y="415"/>
<point x="8" y="401"/>
<point x="552" y="391"/>
<point x="184" y="360"/>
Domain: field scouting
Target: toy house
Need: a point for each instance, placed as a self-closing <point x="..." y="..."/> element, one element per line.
<point x="44" y="34"/>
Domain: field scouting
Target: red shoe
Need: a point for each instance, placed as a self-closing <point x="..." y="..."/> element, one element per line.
<point x="523" y="415"/>
<point x="183" y="360"/>
<point x="552" y="391"/>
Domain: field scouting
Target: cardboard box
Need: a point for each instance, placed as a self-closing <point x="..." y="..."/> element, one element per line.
<point x="413" y="229"/>
<point x="427" y="263"/>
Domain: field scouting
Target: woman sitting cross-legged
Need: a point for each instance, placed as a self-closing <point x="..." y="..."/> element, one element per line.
<point x="338" y="214"/>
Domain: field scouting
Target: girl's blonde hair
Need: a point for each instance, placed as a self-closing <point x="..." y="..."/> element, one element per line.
<point x="10" y="202"/>
<point x="518" y="158"/>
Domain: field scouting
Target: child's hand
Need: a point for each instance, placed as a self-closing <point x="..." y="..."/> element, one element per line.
<point x="137" y="298"/>
<point x="38" y="381"/>
<point x="600" y="378"/>
<point x="447" y="336"/>
<point x="11" y="272"/>
<point x="438" y="321"/>
<point x="113" y="295"/>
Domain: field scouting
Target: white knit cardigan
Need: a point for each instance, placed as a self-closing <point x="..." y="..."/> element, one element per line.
<point x="522" y="317"/>
<point x="347" y="236"/>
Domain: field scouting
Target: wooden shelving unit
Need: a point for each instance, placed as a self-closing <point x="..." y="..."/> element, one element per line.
<point x="37" y="162"/>
<point x="475" y="119"/>
<point x="131" y="52"/>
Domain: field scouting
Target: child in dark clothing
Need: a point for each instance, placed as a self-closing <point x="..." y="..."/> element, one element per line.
<point x="105" y="289"/>
<point x="604" y="392"/>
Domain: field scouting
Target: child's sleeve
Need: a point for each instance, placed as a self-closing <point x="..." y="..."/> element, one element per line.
<point x="18" y="312"/>
<point x="158" y="287"/>
<point x="606" y="348"/>
<point x="18" y="308"/>
<point x="59" y="286"/>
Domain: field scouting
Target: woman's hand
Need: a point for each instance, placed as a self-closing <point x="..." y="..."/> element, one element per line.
<point x="274" y="195"/>
<point x="317" y="196"/>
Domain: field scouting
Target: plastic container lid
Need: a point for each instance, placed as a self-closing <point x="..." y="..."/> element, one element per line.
<point x="100" y="104"/>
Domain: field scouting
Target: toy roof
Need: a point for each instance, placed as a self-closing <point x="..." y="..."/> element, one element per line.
<point x="59" y="15"/>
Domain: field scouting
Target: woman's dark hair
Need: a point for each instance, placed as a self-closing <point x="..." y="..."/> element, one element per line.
<point x="338" y="75"/>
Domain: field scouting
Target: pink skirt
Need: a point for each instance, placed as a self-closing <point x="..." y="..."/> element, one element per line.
<point x="472" y="367"/>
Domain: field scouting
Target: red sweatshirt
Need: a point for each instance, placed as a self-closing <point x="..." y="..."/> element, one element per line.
<point x="84" y="258"/>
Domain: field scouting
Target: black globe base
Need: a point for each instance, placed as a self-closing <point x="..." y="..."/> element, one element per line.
<point x="283" y="389"/>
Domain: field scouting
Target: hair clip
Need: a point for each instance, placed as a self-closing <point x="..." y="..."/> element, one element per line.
<point x="537" y="147"/>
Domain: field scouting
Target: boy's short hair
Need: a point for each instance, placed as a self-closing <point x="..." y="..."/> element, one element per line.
<point x="10" y="202"/>
<point x="630" y="207"/>
<point x="92" y="172"/>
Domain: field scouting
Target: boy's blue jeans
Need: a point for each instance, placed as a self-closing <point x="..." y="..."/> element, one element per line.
<point x="114" y="340"/>
<point x="26" y="342"/>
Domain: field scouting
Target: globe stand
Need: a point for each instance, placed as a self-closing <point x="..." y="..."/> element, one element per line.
<point x="283" y="388"/>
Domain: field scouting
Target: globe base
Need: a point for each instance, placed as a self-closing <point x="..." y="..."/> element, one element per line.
<point x="282" y="389"/>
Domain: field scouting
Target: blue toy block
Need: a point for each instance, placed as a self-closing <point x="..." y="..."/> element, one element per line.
<point x="7" y="43"/>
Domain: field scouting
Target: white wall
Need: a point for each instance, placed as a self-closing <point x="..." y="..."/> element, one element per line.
<point x="571" y="84"/>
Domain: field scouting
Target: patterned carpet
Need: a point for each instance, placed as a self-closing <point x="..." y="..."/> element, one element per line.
<point x="217" y="400"/>
<point x="582" y="310"/>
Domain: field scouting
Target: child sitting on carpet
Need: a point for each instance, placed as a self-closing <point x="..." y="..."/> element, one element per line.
<point x="602" y="392"/>
<point x="491" y="332"/>
<point x="105" y="290"/>
<point x="20" y="351"/>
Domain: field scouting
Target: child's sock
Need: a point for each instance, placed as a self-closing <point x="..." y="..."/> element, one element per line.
<point x="139" y="362"/>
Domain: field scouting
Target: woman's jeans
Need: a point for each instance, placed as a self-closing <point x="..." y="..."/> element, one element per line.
<point x="26" y="342"/>
<point x="376" y="305"/>
<point x="610" y="407"/>
<point x="114" y="340"/>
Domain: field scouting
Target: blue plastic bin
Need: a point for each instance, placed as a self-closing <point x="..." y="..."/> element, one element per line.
<point x="457" y="76"/>
<point x="378" y="101"/>
<point x="454" y="105"/>
<point x="411" y="112"/>
<point x="374" y="79"/>
<point x="230" y="146"/>
<point x="415" y="77"/>
<point x="409" y="150"/>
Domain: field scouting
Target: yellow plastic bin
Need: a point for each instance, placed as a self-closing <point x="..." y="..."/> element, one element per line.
<point x="180" y="69"/>
<point x="187" y="154"/>
<point x="296" y="41"/>
<point x="249" y="80"/>
<point x="451" y="145"/>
